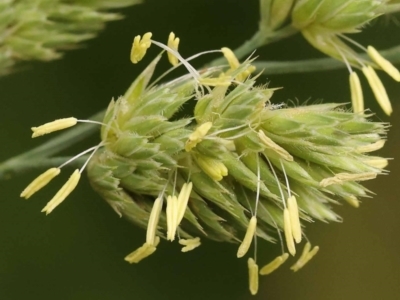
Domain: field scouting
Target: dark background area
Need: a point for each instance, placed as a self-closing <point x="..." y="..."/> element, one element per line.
<point x="77" y="251"/>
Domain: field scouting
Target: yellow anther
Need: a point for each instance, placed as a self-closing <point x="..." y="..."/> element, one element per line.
<point x="352" y="200"/>
<point x="270" y="144"/>
<point x="378" y="89"/>
<point x="231" y="58"/>
<point x="190" y="244"/>
<point x="357" y="98"/>
<point x="246" y="243"/>
<point x="41" y="181"/>
<point x="287" y="228"/>
<point x="171" y="212"/>
<point x="223" y="80"/>
<point x="377" y="162"/>
<point x="153" y="221"/>
<point x="294" y="218"/>
<point x="234" y="64"/>
<point x="173" y="43"/>
<point x="253" y="276"/>
<point x="339" y="178"/>
<point x="383" y="63"/>
<point x="371" y="147"/>
<point x="65" y="190"/>
<point x="306" y="256"/>
<point x="183" y="199"/>
<point x="212" y="167"/>
<point x="53" y="126"/>
<point x="273" y="265"/>
<point x="142" y="252"/>
<point x="140" y="46"/>
<point x="302" y="260"/>
<point x="197" y="135"/>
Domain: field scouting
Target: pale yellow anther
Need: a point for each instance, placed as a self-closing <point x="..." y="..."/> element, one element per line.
<point x="287" y="228"/>
<point x="140" y="46"/>
<point x="63" y="193"/>
<point x="273" y="265"/>
<point x="253" y="276"/>
<point x="231" y="58"/>
<point x="223" y="80"/>
<point x="248" y="237"/>
<point x="294" y="218"/>
<point x="142" y="252"/>
<point x="270" y="144"/>
<point x="56" y="125"/>
<point x="352" y="200"/>
<point x="153" y="221"/>
<point x="212" y="167"/>
<point x="173" y="43"/>
<point x="172" y="213"/>
<point x="183" y="199"/>
<point x="339" y="178"/>
<point x="357" y="98"/>
<point x="305" y="258"/>
<point x="189" y="244"/>
<point x="197" y="135"/>
<point x="377" y="162"/>
<point x="378" y="89"/>
<point x="41" y="181"/>
<point x="234" y="64"/>
<point x="382" y="62"/>
<point x="371" y="147"/>
<point x="302" y="260"/>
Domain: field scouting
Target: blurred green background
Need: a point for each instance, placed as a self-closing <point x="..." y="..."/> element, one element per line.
<point x="77" y="252"/>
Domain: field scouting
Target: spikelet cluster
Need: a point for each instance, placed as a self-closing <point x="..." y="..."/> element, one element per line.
<point x="238" y="168"/>
<point x="42" y="29"/>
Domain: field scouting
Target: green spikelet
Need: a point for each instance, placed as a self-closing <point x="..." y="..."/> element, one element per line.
<point x="144" y="156"/>
<point x="42" y="29"/>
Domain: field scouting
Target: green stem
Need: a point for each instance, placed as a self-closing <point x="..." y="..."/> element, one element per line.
<point x="320" y="64"/>
<point x="40" y="156"/>
<point x="259" y="39"/>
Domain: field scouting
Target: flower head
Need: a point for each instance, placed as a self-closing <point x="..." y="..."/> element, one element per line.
<point x="324" y="25"/>
<point x="233" y="171"/>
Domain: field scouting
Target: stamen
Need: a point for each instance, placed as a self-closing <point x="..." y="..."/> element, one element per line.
<point x="378" y="89"/>
<point x="383" y="63"/>
<point x="222" y="80"/>
<point x="140" y="46"/>
<point x="182" y="201"/>
<point x="352" y="200"/>
<point x="301" y="261"/>
<point x="56" y="125"/>
<point x="288" y="232"/>
<point x="65" y="190"/>
<point x="171" y="211"/>
<point x="212" y="167"/>
<point x="273" y="265"/>
<point x="294" y="218"/>
<point x="305" y="257"/>
<point x="339" y="178"/>
<point x="371" y="147"/>
<point x="357" y="98"/>
<point x="190" y="244"/>
<point x="40" y="181"/>
<point x="142" y="252"/>
<point x="153" y="221"/>
<point x="197" y="135"/>
<point x="253" y="276"/>
<point x="173" y="43"/>
<point x="246" y="243"/>
<point x="377" y="162"/>
<point x="270" y="144"/>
